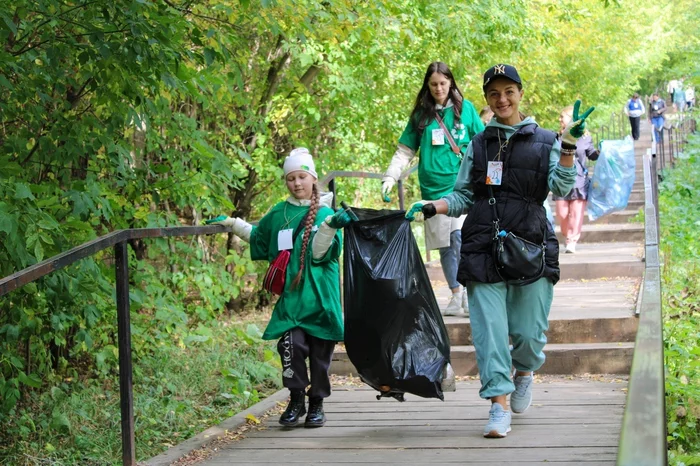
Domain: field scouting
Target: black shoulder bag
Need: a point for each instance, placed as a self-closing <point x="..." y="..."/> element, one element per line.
<point x="517" y="260"/>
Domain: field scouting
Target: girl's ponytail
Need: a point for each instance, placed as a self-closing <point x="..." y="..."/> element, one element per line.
<point x="310" y="220"/>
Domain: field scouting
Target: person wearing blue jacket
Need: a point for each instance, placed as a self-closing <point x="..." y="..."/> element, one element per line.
<point x="507" y="172"/>
<point x="634" y="110"/>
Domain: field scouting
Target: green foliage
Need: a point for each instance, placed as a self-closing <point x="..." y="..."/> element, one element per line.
<point x="129" y="114"/>
<point x="679" y="204"/>
<point x="177" y="394"/>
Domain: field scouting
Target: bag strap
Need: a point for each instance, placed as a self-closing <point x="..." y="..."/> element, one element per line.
<point x="452" y="142"/>
<point x="299" y="227"/>
<point x="492" y="202"/>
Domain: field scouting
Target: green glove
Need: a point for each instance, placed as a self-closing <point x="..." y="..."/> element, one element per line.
<point x="420" y="211"/>
<point x="341" y="219"/>
<point x="576" y="127"/>
<point x="220" y="220"/>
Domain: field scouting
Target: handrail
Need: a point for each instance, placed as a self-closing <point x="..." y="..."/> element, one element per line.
<point x="329" y="180"/>
<point x="643" y="434"/>
<point x="118" y="239"/>
<point x="615" y="129"/>
<point x="671" y="141"/>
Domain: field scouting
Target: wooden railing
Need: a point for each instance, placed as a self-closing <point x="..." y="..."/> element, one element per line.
<point x="118" y="240"/>
<point x="643" y="435"/>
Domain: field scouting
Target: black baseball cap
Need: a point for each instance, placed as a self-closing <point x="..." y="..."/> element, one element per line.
<point x="501" y="71"/>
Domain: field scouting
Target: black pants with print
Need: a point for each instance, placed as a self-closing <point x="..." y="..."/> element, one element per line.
<point x="294" y="348"/>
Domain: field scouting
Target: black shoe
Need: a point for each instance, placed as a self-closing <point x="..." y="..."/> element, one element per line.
<point x="316" y="416"/>
<point x="295" y="410"/>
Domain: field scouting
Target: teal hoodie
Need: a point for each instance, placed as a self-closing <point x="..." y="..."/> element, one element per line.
<point x="460" y="200"/>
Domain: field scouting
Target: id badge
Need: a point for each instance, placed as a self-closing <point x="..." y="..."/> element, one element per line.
<point x="438" y="137"/>
<point x="284" y="239"/>
<point x="494" y="173"/>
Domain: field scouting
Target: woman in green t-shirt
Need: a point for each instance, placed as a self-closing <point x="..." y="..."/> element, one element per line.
<point x="307" y="318"/>
<point x="438" y="164"/>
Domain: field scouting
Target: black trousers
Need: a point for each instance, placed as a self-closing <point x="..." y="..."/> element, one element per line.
<point x="294" y="348"/>
<point x="634" y="122"/>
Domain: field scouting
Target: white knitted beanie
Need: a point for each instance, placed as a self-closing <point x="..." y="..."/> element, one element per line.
<point x="299" y="159"/>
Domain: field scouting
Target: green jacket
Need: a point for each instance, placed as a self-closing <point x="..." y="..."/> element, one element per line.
<point x="314" y="306"/>
<point x="438" y="165"/>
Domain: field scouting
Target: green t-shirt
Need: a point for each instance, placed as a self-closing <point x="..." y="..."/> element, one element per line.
<point x="437" y="164"/>
<point x="314" y="306"/>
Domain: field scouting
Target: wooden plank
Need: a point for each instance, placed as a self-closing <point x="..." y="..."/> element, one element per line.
<point x="471" y="461"/>
<point x="570" y="422"/>
<point x="490" y="455"/>
<point x="605" y="413"/>
<point x="373" y="433"/>
<point x="546" y="436"/>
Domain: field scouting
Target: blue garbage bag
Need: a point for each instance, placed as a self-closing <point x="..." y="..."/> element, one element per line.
<point x="613" y="178"/>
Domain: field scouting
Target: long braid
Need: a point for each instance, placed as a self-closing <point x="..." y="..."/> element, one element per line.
<point x="310" y="220"/>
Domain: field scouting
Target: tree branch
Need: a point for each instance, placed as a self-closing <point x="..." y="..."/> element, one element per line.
<point x="187" y="10"/>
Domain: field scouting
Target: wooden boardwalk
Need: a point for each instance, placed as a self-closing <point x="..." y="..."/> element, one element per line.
<point x="575" y="417"/>
<point x="571" y="421"/>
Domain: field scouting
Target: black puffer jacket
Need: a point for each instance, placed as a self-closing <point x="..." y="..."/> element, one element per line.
<point x="519" y="198"/>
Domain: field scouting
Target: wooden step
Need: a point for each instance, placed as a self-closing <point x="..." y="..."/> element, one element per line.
<point x="591" y="261"/>
<point x="622" y="216"/>
<point x="596" y="311"/>
<point x="609" y="232"/>
<point x="602" y="260"/>
<point x="584" y="330"/>
<point x="637" y="194"/>
<point x="577" y="358"/>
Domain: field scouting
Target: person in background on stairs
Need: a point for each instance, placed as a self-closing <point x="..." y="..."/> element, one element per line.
<point x="571" y="208"/>
<point x="505" y="177"/>
<point x="485" y="115"/>
<point x="438" y="98"/>
<point x="307" y="318"/>
<point x="634" y="110"/>
<point x="657" y="109"/>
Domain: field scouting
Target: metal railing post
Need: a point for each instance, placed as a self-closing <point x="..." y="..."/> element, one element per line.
<point x="121" y="255"/>
<point x="671" y="146"/>
<point x="331" y="187"/>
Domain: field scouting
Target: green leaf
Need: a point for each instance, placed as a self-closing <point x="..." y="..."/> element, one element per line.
<point x="209" y="55"/>
<point x="6" y="223"/>
<point x="32" y="380"/>
<point x="22" y="191"/>
<point x="10" y="24"/>
<point x="38" y="251"/>
<point x="253" y="331"/>
<point x="5" y="82"/>
<point x="60" y="422"/>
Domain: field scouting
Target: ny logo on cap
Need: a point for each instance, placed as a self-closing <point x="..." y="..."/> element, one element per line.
<point x="500" y="69"/>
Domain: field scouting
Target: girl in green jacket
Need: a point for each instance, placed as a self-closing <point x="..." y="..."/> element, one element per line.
<point x="438" y="98"/>
<point x="307" y="318"/>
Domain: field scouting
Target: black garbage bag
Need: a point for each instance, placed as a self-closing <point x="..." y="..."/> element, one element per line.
<point x="394" y="333"/>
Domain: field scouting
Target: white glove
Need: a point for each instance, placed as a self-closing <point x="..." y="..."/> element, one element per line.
<point x="240" y="227"/>
<point x="388" y="183"/>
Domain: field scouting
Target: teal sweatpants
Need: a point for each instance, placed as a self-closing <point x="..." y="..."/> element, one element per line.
<point x="498" y="311"/>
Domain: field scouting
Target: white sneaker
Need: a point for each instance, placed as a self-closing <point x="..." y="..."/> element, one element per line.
<point x="571" y="248"/>
<point x="448" y="379"/>
<point x="454" y="307"/>
<point x="465" y="303"/>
